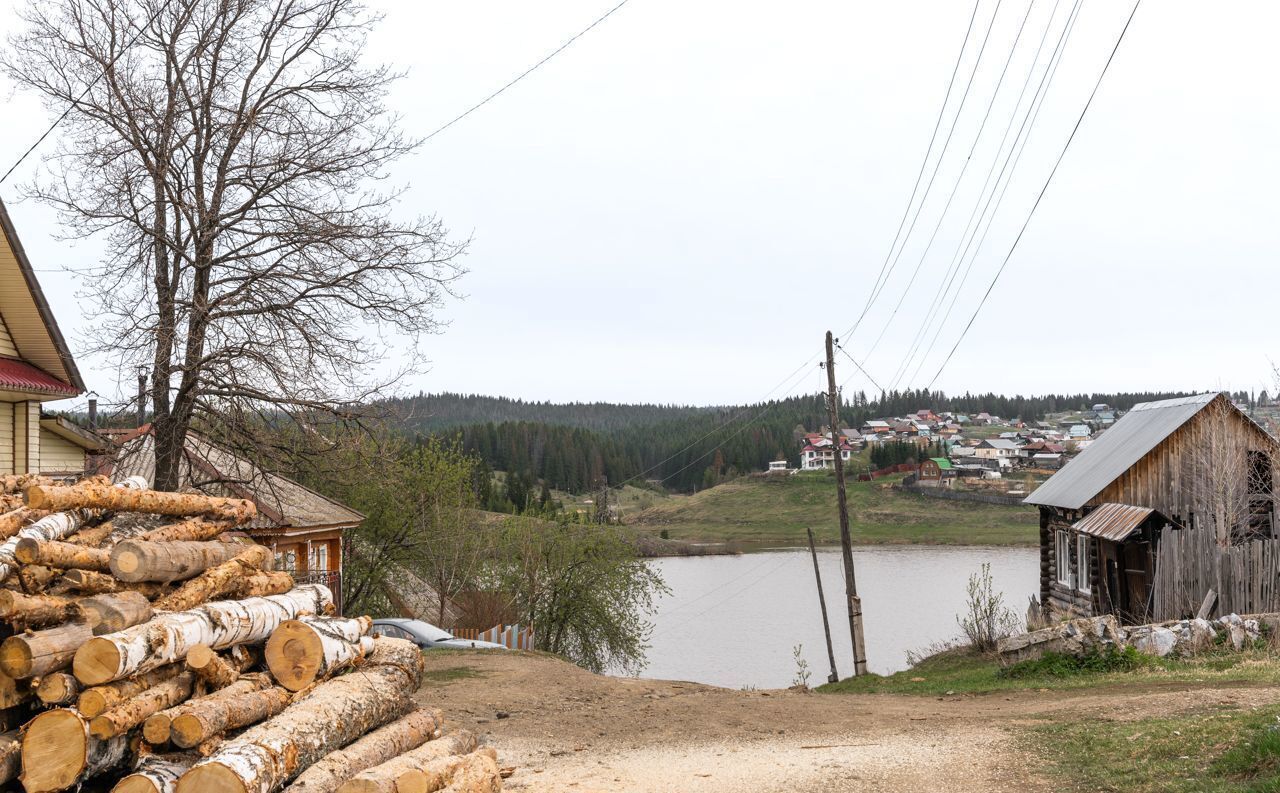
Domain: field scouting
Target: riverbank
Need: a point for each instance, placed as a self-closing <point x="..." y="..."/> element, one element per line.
<point x="763" y="511"/>
<point x="566" y="729"/>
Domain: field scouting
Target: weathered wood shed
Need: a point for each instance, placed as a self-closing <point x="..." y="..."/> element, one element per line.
<point x="1191" y="462"/>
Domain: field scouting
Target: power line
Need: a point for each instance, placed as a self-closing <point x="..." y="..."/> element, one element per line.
<point x="526" y="72"/>
<point x="919" y="176"/>
<point x="1043" y="190"/>
<point x="110" y="64"/>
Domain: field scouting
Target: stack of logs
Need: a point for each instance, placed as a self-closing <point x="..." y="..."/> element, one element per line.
<point x="150" y="658"/>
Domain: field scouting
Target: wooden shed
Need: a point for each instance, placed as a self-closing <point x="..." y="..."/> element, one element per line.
<point x="1191" y="462"/>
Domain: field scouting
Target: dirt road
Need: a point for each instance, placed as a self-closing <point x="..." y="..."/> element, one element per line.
<point x="566" y="729"/>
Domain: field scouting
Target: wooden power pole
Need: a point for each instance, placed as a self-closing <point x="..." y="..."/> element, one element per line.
<point x="834" y="677"/>
<point x="842" y="499"/>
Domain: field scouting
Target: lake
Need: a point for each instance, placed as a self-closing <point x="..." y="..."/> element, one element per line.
<point x="734" y="620"/>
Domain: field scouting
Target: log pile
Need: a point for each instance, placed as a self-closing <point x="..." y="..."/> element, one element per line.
<point x="149" y="657"/>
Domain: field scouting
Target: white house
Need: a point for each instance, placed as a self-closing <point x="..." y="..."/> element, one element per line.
<point x="999" y="449"/>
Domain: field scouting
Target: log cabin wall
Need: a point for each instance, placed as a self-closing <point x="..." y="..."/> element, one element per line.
<point x="1065" y="599"/>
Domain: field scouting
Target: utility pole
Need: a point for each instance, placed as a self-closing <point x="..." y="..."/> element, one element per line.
<point x="834" y="677"/>
<point x="842" y="499"/>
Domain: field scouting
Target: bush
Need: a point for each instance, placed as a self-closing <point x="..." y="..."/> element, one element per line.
<point x="986" y="620"/>
<point x="1059" y="665"/>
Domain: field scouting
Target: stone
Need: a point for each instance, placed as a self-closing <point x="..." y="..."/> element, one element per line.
<point x="1158" y="641"/>
<point x="1078" y="638"/>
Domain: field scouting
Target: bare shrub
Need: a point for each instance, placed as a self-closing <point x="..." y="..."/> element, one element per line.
<point x="986" y="619"/>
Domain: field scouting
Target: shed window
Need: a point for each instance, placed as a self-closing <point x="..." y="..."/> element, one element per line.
<point x="1062" y="556"/>
<point x="1082" y="562"/>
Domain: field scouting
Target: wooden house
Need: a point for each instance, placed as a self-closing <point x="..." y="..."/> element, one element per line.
<point x="1190" y="462"/>
<point x="304" y="528"/>
<point x="934" y="470"/>
<point x="35" y="367"/>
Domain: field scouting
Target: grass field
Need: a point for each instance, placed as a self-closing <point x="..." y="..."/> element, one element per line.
<point x="776" y="510"/>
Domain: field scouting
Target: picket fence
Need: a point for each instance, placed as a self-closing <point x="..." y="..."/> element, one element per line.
<point x="1190" y="562"/>
<point x="512" y="636"/>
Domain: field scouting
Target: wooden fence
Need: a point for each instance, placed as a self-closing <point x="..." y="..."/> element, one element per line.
<point x="1190" y="562"/>
<point x="512" y="636"/>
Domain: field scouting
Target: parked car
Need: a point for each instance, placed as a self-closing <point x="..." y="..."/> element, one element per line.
<point x="428" y="636"/>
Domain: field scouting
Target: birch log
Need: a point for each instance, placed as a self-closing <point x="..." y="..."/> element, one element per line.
<point x="114" y="612"/>
<point x="141" y="560"/>
<point x="475" y="773"/>
<point x="62" y="555"/>
<point x="216" y="671"/>
<point x="139" y="708"/>
<point x="89" y="582"/>
<point x="57" y="526"/>
<point x="308" y="649"/>
<point x="335" y="713"/>
<point x="195" y="529"/>
<point x="34" y="610"/>
<point x="40" y="652"/>
<point x="218" y="580"/>
<point x="155" y="502"/>
<point x="168" y="637"/>
<point x="10" y="756"/>
<point x="212" y="716"/>
<point x="157" y="729"/>
<point x="12" y="521"/>
<point x="99" y="699"/>
<point x="156" y="773"/>
<point x="399" y="772"/>
<point x="92" y="536"/>
<point x="58" y="752"/>
<point x="58" y="688"/>
<point x="376" y="748"/>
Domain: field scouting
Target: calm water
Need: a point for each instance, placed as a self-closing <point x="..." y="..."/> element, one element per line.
<point x="734" y="620"/>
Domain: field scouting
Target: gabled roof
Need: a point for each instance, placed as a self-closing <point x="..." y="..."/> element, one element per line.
<point x="999" y="443"/>
<point x="27" y="315"/>
<point x="22" y="376"/>
<point x="1116" y="451"/>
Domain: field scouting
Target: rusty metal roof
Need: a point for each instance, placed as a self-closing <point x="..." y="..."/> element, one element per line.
<point x="1113" y="522"/>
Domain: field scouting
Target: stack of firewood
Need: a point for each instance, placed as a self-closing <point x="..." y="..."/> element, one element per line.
<point x="151" y="647"/>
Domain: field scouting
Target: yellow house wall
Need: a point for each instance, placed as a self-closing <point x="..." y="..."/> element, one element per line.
<point x="58" y="455"/>
<point x="6" y="438"/>
<point x="6" y="341"/>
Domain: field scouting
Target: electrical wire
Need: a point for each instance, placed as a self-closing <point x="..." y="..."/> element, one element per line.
<point x="1040" y="197"/>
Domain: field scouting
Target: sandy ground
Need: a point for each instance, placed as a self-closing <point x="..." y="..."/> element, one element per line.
<point x="566" y="729"/>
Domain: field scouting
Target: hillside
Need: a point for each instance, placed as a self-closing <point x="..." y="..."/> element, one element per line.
<point x="776" y="510"/>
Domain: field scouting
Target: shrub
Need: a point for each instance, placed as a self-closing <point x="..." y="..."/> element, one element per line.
<point x="1059" y="665"/>
<point x="986" y="620"/>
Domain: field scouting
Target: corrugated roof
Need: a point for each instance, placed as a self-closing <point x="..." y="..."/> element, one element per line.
<point x="1116" y="451"/>
<point x="282" y="502"/>
<point x="22" y="376"/>
<point x="1113" y="522"/>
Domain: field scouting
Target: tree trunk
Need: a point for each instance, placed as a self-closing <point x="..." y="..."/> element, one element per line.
<point x="261" y="583"/>
<point x="93" y="536"/>
<point x="223" y="579"/>
<point x="99" y="699"/>
<point x="42" y="652"/>
<point x="156" y="773"/>
<point x="157" y="729"/>
<point x="114" y="612"/>
<point x="51" y="527"/>
<point x="12" y="521"/>
<point x="154" y="502"/>
<point x="90" y="583"/>
<point x="34" y="611"/>
<point x="140" y="560"/>
<point x="134" y="711"/>
<point x="216" y="671"/>
<point x="10" y="756"/>
<point x="204" y="719"/>
<point x="335" y="712"/>
<point x="168" y="637"/>
<point x="58" y="752"/>
<point x="376" y="748"/>
<point x="387" y="777"/>
<point x="58" y="688"/>
<point x="307" y="649"/>
<point x="34" y="578"/>
<point x="476" y="773"/>
<point x="193" y="530"/>
<point x="62" y="555"/>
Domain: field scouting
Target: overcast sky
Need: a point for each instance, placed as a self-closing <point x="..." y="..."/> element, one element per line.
<point x="676" y="207"/>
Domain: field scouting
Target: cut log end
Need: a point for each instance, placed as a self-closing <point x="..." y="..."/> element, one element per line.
<point x="211" y="778"/>
<point x="200" y="656"/>
<point x="136" y="783"/>
<point x="186" y="730"/>
<point x="54" y="751"/>
<point x="15" y="657"/>
<point x="294" y="655"/>
<point x="156" y="729"/>
<point x="96" y="662"/>
<point x="125" y="561"/>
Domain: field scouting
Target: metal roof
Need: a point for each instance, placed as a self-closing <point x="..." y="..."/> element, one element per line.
<point x="1116" y="451"/>
<point x="22" y="376"/>
<point x="1113" y="522"/>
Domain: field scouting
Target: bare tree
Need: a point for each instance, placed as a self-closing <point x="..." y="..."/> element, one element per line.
<point x="232" y="154"/>
<point x="1232" y="475"/>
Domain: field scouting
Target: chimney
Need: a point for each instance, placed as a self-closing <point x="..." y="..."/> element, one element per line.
<point x="93" y="413"/>
<point x="142" y="396"/>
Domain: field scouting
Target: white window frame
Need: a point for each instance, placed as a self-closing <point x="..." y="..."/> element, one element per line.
<point x="1062" y="558"/>
<point x="1082" y="563"/>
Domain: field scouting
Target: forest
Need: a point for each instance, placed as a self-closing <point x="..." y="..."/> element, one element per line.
<point x="580" y="447"/>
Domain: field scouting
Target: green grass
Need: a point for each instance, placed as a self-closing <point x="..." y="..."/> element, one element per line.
<point x="1210" y="751"/>
<point x="960" y="671"/>
<point x="776" y="510"/>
